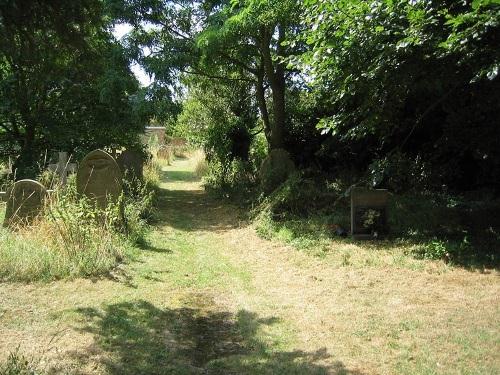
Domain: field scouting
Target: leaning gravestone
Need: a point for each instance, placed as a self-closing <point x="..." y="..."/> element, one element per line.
<point x="24" y="202"/>
<point x="99" y="178"/>
<point x="131" y="163"/>
<point x="368" y="213"/>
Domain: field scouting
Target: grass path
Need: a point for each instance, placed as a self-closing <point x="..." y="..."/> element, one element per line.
<point x="207" y="296"/>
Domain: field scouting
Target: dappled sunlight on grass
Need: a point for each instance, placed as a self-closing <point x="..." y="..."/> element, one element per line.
<point x="207" y="295"/>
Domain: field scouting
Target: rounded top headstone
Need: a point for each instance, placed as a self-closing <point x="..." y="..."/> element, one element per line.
<point x="99" y="178"/>
<point x="24" y="202"/>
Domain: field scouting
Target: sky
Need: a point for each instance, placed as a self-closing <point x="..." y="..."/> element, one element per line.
<point x="119" y="31"/>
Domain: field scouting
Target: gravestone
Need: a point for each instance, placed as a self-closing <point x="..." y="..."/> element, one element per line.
<point x="24" y="202"/>
<point x="99" y="178"/>
<point x="63" y="167"/>
<point x="131" y="163"/>
<point x="369" y="213"/>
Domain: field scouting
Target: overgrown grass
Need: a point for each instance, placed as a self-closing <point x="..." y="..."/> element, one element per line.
<point x="311" y="214"/>
<point x="73" y="238"/>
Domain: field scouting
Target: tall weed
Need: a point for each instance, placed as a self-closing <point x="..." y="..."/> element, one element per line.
<point x="73" y="238"/>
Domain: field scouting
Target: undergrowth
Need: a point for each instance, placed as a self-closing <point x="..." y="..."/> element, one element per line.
<point x="73" y="238"/>
<point x="312" y="213"/>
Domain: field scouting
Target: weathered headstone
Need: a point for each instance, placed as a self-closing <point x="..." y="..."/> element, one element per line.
<point x="368" y="213"/>
<point x="99" y="178"/>
<point x="24" y="202"/>
<point x="131" y="163"/>
<point x="63" y="167"/>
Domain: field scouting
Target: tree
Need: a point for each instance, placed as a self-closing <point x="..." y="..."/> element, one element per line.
<point x="413" y="78"/>
<point x="227" y="41"/>
<point x="64" y="82"/>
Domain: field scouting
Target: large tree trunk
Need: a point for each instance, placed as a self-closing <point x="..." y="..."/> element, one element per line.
<point x="276" y="78"/>
<point x="25" y="165"/>
<point x="261" y="101"/>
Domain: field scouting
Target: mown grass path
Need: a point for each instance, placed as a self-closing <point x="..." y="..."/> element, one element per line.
<point x="206" y="295"/>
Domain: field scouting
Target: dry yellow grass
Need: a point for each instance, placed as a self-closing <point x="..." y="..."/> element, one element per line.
<point x="209" y="296"/>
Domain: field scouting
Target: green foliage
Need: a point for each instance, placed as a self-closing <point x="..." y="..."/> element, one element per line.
<point x="434" y="250"/>
<point x="302" y="213"/>
<point x="235" y="180"/>
<point x="138" y="207"/>
<point x="413" y="76"/>
<point x="456" y="229"/>
<point x="65" y="83"/>
<point x="220" y="118"/>
<point x="398" y="172"/>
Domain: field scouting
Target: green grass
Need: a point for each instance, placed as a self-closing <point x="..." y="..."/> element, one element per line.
<point x="205" y="295"/>
<point x="459" y="231"/>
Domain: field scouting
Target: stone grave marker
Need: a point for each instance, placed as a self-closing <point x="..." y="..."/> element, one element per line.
<point x="99" y="178"/>
<point x="369" y="213"/>
<point x="63" y="167"/>
<point x="24" y="202"/>
<point x="132" y="162"/>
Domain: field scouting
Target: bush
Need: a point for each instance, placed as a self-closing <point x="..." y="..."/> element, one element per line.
<point x="275" y="169"/>
<point x="304" y="212"/>
<point x="235" y="180"/>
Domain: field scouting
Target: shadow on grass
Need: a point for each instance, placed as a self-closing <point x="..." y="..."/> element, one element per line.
<point x="191" y="210"/>
<point x="140" y="338"/>
<point x="178" y="176"/>
<point x="146" y="246"/>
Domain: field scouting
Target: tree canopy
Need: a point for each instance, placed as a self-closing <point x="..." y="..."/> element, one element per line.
<point x="65" y="83"/>
<point x="378" y="87"/>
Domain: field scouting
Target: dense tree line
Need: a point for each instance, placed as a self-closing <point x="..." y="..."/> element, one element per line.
<point x="403" y="93"/>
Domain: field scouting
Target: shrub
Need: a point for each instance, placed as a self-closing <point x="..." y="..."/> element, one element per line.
<point x="275" y="169"/>
<point x="138" y="202"/>
<point x="235" y="180"/>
